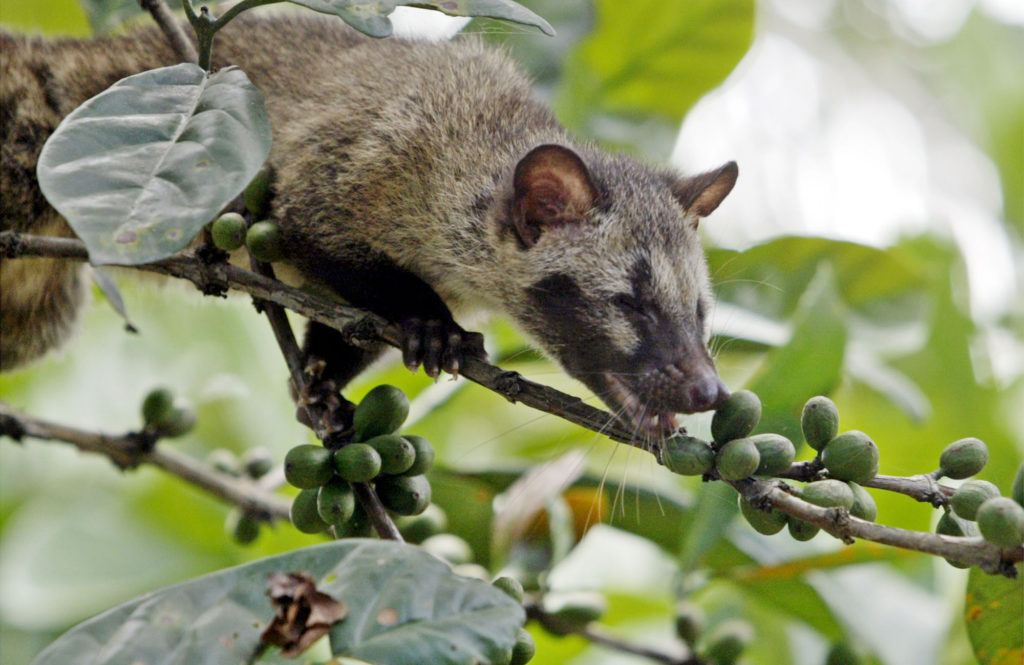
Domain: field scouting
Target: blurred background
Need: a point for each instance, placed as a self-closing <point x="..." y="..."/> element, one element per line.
<point x="872" y="251"/>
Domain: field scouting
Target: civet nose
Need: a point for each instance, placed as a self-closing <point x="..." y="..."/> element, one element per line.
<point x="706" y="393"/>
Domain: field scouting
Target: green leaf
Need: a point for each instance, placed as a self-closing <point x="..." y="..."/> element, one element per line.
<point x="809" y="364"/>
<point x="505" y="10"/>
<point x="411" y="609"/>
<point x="405" y="606"/>
<point x="769" y="278"/>
<point x="140" y="168"/>
<point x="371" y="16"/>
<point x="102" y="279"/>
<point x="653" y="57"/>
<point x="715" y="510"/>
<point x="995" y="617"/>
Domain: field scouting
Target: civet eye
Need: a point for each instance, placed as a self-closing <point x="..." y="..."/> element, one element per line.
<point x="628" y="303"/>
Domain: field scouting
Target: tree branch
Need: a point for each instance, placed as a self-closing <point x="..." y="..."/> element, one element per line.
<point x="171" y="28"/>
<point x="127" y="451"/>
<point x="357" y="326"/>
<point x="364" y="492"/>
<point x="842" y="525"/>
<point x="923" y="487"/>
<point x="592" y="632"/>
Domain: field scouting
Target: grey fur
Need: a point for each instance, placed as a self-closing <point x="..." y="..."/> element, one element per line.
<point x="407" y="151"/>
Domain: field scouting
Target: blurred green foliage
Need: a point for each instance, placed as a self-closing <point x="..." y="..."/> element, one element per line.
<point x="886" y="332"/>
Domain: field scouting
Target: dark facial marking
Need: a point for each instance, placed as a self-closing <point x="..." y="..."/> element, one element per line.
<point x="639" y="306"/>
<point x="561" y="309"/>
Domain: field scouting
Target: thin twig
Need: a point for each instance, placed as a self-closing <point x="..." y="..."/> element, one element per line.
<point x="356" y="325"/>
<point x="127" y="451"/>
<point x="171" y="28"/>
<point x="592" y="632"/>
<point x="923" y="487"/>
<point x="839" y="523"/>
<point x="278" y="318"/>
<point x="595" y="634"/>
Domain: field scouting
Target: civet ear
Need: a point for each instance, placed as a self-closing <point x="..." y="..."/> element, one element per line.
<point x="553" y="188"/>
<point x="701" y="194"/>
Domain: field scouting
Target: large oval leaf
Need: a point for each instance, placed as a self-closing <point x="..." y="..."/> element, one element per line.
<point x="653" y="57"/>
<point x="995" y="617"/>
<point x="140" y="168"/>
<point x="371" y="16"/>
<point x="404" y="606"/>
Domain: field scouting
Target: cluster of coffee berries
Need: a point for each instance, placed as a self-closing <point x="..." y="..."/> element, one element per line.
<point x="850" y="459"/>
<point x="524" y="648"/>
<point x="735" y="453"/>
<point x="977" y="507"/>
<point x="394" y="464"/>
<point x="254" y="463"/>
<point x="230" y="231"/>
<point x="165" y="415"/>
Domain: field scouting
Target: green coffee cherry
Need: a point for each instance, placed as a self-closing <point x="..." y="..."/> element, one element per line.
<point x="737" y="417"/>
<point x="382" y="411"/>
<point x="864" y="505"/>
<point x="358" y="526"/>
<point x="1001" y="522"/>
<point x="727" y="641"/>
<point x="417" y="528"/>
<point x="851" y="456"/>
<point x="180" y="421"/>
<point x="970" y="496"/>
<point x="800" y="530"/>
<point x="304" y="513"/>
<point x="828" y="494"/>
<point x="511" y="587"/>
<point x="357" y="462"/>
<point x="842" y="653"/>
<point x="228" y="231"/>
<point x="335" y="502"/>
<point x="963" y="458"/>
<point x="396" y="453"/>
<point x="524" y="648"/>
<point x="424" y="460"/>
<point x="256" y="194"/>
<point x="265" y="241"/>
<point x="404" y="495"/>
<point x="690" y="621"/>
<point x="574" y="609"/>
<point x="1017" y="489"/>
<point x="951" y="525"/>
<point x="687" y="456"/>
<point x="776" y="451"/>
<point x="737" y="459"/>
<point x="242" y="528"/>
<point x="308" y="466"/>
<point x="449" y="547"/>
<point x="257" y="462"/>
<point x="767" y="522"/>
<point x="157" y="406"/>
<point x="819" y="421"/>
